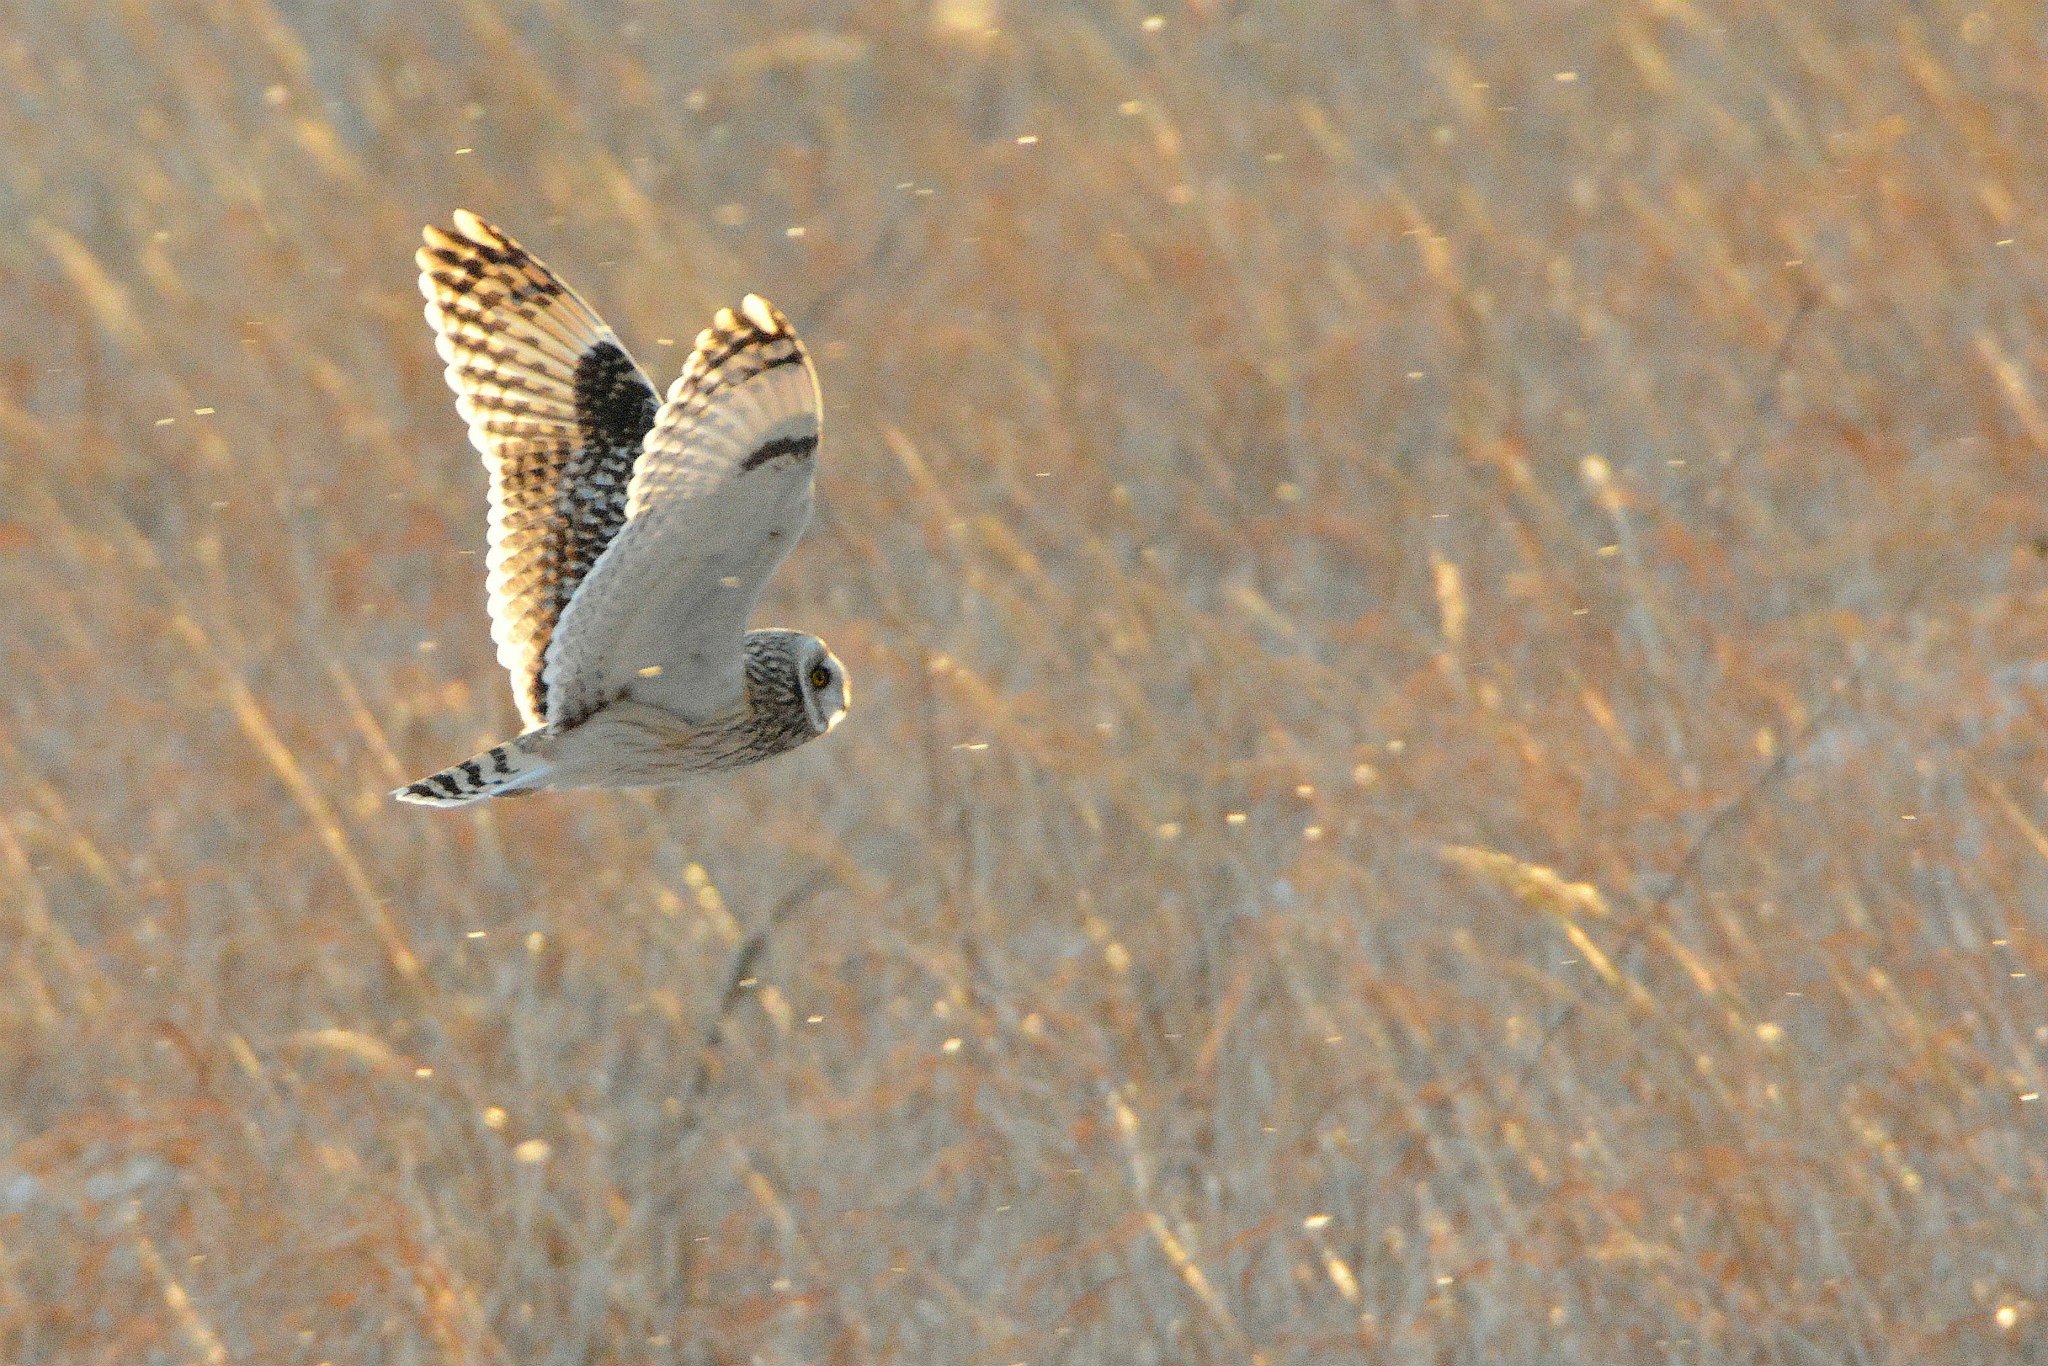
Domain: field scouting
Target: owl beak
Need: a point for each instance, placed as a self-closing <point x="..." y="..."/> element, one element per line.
<point x="845" y="700"/>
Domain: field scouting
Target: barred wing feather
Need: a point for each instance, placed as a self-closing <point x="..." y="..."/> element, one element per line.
<point x="720" y="493"/>
<point x="558" y="411"/>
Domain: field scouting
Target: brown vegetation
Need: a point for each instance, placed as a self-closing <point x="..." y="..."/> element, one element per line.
<point x="1445" y="608"/>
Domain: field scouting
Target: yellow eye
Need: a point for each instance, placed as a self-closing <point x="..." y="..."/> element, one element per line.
<point x="820" y="676"/>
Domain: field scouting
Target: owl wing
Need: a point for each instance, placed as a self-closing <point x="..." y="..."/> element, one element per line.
<point x="721" y="492"/>
<point x="559" y="412"/>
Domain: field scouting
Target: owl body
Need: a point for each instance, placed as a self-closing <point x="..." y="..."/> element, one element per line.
<point x="629" y="537"/>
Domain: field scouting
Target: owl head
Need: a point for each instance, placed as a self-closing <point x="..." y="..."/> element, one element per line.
<point x="797" y="687"/>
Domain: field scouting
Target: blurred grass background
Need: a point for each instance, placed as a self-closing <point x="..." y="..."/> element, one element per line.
<point x="1445" y="606"/>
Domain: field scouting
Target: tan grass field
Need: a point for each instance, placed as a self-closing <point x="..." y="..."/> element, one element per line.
<point x="1448" y="612"/>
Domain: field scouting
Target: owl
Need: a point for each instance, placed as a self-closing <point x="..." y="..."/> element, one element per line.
<point x="629" y="535"/>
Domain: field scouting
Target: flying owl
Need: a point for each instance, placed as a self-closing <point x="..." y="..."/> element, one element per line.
<point x="629" y="537"/>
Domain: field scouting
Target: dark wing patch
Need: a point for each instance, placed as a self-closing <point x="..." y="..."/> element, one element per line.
<point x="614" y="402"/>
<point x="802" y="447"/>
<point x="557" y="409"/>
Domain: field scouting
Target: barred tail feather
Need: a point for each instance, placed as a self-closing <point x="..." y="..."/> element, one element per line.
<point x="501" y="771"/>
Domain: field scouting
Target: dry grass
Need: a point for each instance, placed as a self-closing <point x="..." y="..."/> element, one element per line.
<point x="1446" y="609"/>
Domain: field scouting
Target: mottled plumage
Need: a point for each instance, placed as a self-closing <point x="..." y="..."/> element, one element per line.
<point x="629" y="539"/>
<point x="557" y="409"/>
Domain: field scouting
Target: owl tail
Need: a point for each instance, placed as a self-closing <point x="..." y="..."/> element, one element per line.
<point x="508" y="770"/>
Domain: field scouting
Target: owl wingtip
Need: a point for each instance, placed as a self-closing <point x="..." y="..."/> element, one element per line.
<point x="761" y="313"/>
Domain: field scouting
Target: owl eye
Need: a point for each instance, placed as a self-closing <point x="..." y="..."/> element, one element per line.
<point x="820" y="676"/>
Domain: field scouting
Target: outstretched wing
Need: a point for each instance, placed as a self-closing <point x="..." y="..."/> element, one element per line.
<point x="720" y="494"/>
<point x="559" y="412"/>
